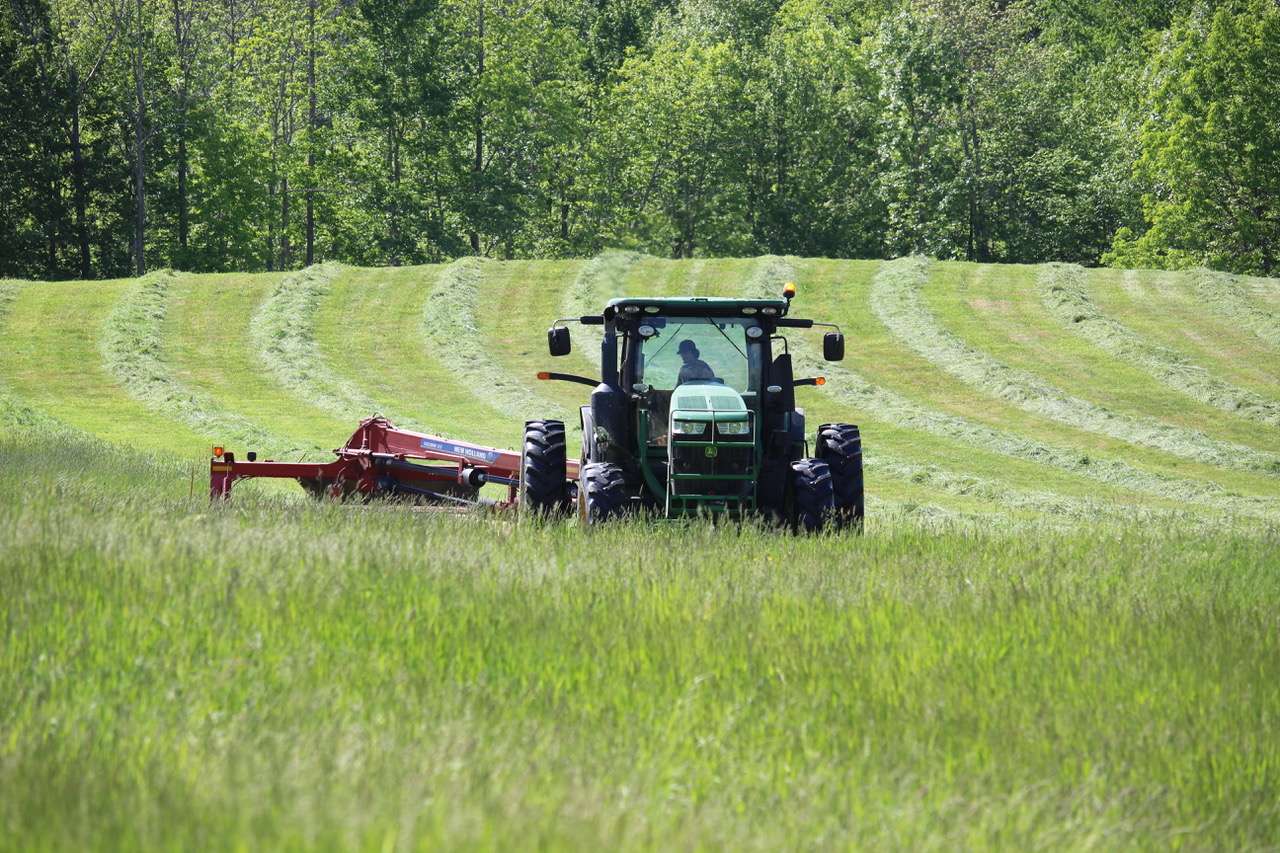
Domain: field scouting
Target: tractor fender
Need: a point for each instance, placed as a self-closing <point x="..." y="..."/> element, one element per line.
<point x="609" y="421"/>
<point x="796" y="430"/>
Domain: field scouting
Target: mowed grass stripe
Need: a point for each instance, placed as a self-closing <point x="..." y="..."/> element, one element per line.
<point x="906" y="453"/>
<point x="1163" y="308"/>
<point x="283" y="331"/>
<point x="1253" y="303"/>
<point x="473" y="318"/>
<point x="17" y="418"/>
<point x="898" y="298"/>
<point x="984" y="449"/>
<point x="212" y="350"/>
<point x="1062" y="292"/>
<point x="370" y="330"/>
<point x="51" y="360"/>
<point x="133" y="349"/>
<point x="843" y="294"/>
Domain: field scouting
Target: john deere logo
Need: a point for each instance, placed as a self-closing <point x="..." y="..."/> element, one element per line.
<point x="711" y="450"/>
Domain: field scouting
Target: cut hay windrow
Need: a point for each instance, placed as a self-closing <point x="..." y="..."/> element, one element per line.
<point x="859" y="394"/>
<point x="598" y="281"/>
<point x="283" y="333"/>
<point x="1063" y="292"/>
<point x="132" y="346"/>
<point x="897" y="302"/>
<point x="1227" y="296"/>
<point x="454" y="339"/>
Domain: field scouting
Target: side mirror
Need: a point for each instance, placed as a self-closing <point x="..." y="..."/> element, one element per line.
<point x="558" y="340"/>
<point x="832" y="346"/>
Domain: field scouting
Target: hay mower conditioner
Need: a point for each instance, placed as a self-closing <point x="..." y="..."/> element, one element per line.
<point x="381" y="461"/>
<point x="694" y="412"/>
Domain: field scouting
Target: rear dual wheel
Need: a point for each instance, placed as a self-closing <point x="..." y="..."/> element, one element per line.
<point x="812" y="499"/>
<point x="840" y="446"/>
<point x="602" y="493"/>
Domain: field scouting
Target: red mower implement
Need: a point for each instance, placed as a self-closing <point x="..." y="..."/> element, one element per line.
<point x="381" y="461"/>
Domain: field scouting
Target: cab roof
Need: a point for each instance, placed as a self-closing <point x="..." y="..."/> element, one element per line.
<point x="702" y="306"/>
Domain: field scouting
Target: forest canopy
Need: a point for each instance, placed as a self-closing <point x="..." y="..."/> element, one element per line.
<point x="213" y="135"/>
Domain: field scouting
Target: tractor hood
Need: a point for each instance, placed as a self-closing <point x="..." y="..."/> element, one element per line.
<point x="708" y="401"/>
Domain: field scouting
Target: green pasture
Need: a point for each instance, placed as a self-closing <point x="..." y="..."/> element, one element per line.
<point x="1049" y="637"/>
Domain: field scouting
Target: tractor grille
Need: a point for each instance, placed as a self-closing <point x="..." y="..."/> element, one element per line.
<point x="729" y="460"/>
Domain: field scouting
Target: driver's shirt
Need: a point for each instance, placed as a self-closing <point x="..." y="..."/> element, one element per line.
<point x="695" y="370"/>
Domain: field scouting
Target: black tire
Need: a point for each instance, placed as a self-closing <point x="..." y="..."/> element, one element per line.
<point x="812" y="501"/>
<point x="544" y="487"/>
<point x="840" y="446"/>
<point x="602" y="493"/>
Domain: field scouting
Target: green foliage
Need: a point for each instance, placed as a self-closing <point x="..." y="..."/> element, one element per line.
<point x="1211" y="151"/>
<point x="271" y="134"/>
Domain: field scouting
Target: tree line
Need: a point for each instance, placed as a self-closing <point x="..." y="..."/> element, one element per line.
<point x="269" y="134"/>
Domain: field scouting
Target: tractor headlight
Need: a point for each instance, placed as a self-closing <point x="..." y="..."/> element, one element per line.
<point x="734" y="428"/>
<point x="688" y="427"/>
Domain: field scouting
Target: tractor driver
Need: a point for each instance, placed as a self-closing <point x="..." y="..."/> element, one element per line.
<point x="694" y="368"/>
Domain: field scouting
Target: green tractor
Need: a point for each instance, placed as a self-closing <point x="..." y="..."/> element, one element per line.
<point x="695" y="413"/>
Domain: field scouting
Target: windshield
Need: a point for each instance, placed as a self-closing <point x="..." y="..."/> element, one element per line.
<point x="700" y="349"/>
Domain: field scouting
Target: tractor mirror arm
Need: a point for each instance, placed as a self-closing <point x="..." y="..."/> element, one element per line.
<point x="813" y="380"/>
<point x="796" y="323"/>
<point x="587" y="320"/>
<point x="568" y="377"/>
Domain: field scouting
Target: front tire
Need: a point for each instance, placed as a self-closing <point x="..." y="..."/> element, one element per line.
<point x="544" y="488"/>
<point x="602" y="493"/>
<point x="812" y="499"/>
<point x="840" y="446"/>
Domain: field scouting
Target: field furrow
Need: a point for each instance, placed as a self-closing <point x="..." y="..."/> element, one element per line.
<point x="16" y="416"/>
<point x="896" y="297"/>
<point x="997" y="310"/>
<point x="289" y="363"/>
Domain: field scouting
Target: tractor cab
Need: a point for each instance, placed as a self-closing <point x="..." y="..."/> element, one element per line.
<point x="694" y="410"/>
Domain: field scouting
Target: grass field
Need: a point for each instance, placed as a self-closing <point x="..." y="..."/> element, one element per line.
<point x="1060" y="630"/>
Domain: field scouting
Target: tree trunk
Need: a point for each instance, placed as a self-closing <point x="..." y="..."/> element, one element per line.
<point x="285" y="250"/>
<point x="478" y="165"/>
<point x="77" y="177"/>
<point x="311" y="130"/>
<point x="139" y="154"/>
<point x="395" y="200"/>
<point x="184" y="208"/>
